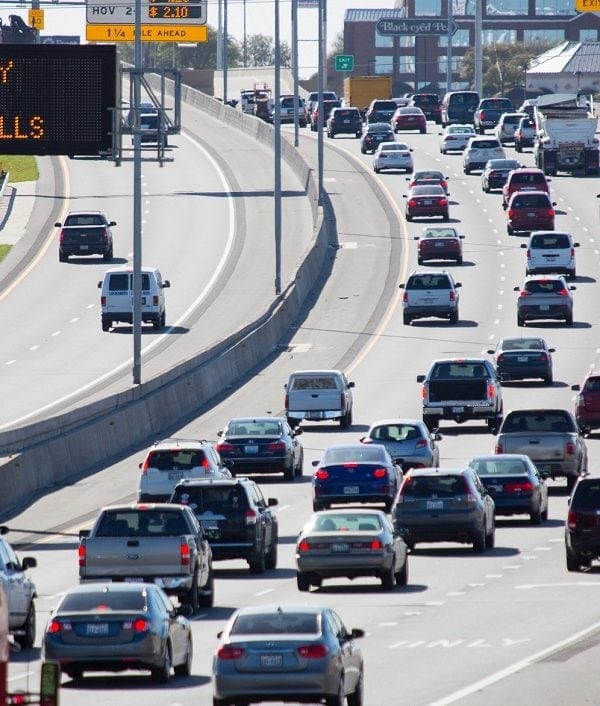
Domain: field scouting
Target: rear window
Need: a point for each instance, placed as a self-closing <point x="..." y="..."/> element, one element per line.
<point x="586" y="495"/>
<point x="531" y="201"/>
<point x="322" y="382"/>
<point x="396" y="432"/>
<point x="367" y="453"/>
<point x="103" y="601"/>
<point x="484" y="144"/>
<point x="119" y="282"/>
<point x="384" y="105"/>
<point x="275" y="624"/>
<point x="511" y="119"/>
<point x="526" y="344"/>
<point x="499" y="467"/>
<point x="176" y="459"/>
<point x="427" y="281"/>
<point x="141" y="523"/>
<point x="352" y="522"/>
<point x="430" y="187"/>
<point x="550" y="242"/>
<point x="464" y="99"/>
<point x="502" y="104"/>
<point x="534" y="422"/>
<point x="84" y="219"/>
<point x="254" y="428"/>
<point x="466" y="370"/>
<point x="592" y="385"/>
<point x="544" y="286"/>
<point x="213" y="498"/>
<point x="441" y="486"/>
<point x="345" y="113"/>
<point x="426" y="99"/>
<point x="528" y="178"/>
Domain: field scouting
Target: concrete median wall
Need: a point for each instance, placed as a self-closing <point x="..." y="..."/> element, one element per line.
<point x="40" y="455"/>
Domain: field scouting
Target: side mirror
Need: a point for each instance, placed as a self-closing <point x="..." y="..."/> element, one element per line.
<point x="516" y="289"/>
<point x="458" y="284"/>
<point x="491" y="351"/>
<point x="272" y="501"/>
<point x="401" y="286"/>
<point x="404" y="196"/>
<point x="315" y="463"/>
<point x="572" y="289"/>
<point x="462" y="237"/>
<point x="28" y="562"/>
<point x="297" y="431"/>
<point x="184" y="609"/>
<point x="523" y="245"/>
<point x="420" y="378"/>
<point x="357" y="632"/>
<point x="166" y="283"/>
<point x="112" y="223"/>
<point x="576" y="245"/>
<point x="551" y="350"/>
<point x="220" y="433"/>
<point x="285" y="386"/>
<point x="58" y="224"/>
<point x="99" y="285"/>
<point x="4" y="529"/>
<point x="416" y="237"/>
<point x="576" y="388"/>
<point x="437" y="436"/>
<point x="83" y="533"/>
<point x="350" y="384"/>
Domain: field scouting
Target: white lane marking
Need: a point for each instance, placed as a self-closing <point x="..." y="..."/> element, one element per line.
<point x="90" y="306"/>
<point x="56" y="333"/>
<point x="516" y="667"/>
<point x="34" y="348"/>
<point x="543" y="549"/>
<point x="493" y="576"/>
<point x="511" y="567"/>
<point x="283" y="507"/>
<point x="74" y="320"/>
<point x="10" y="362"/>
<point x="563" y="584"/>
<point x="413" y="612"/>
<point x="455" y="593"/>
<point x="435" y="603"/>
<point x="389" y="624"/>
<point x="210" y="283"/>
<point x="264" y="593"/>
<point x="475" y="585"/>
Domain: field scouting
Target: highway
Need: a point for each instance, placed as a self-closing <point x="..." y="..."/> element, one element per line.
<point x="467" y="627"/>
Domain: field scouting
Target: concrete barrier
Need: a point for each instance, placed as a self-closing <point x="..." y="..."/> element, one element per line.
<point x="41" y="455"/>
<point x="4" y="177"/>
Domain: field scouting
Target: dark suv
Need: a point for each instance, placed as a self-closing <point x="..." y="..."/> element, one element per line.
<point x="85" y="233"/>
<point x="380" y="111"/>
<point x="236" y="517"/>
<point x="344" y="121"/>
<point x="587" y="402"/>
<point x="430" y="104"/>
<point x="582" y="530"/>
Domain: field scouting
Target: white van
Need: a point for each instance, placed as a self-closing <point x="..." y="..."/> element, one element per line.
<point x="116" y="297"/>
<point x="551" y="251"/>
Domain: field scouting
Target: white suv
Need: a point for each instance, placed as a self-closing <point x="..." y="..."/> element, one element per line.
<point x="550" y="251"/>
<point x="479" y="150"/>
<point x="170" y="461"/>
<point x="430" y="293"/>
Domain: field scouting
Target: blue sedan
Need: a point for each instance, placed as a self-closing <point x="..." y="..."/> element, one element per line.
<point x="355" y="473"/>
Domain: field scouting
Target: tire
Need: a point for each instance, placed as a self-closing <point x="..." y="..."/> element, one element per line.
<point x="479" y="542"/>
<point x="446" y="217"/>
<point x="376" y="170"/>
<point x="486" y="189"/>
<point x="536" y="517"/>
<point x="192" y="595"/>
<point x="300" y="466"/>
<point x="317" y="507"/>
<point x="206" y="598"/>
<point x="271" y="557"/>
<point x="518" y="147"/>
<point x="520" y="321"/>
<point x="27" y="640"/>
<point x="388" y="578"/>
<point x="420" y="260"/>
<point x="289" y="472"/>
<point x="548" y="380"/>
<point x="573" y="562"/>
<point x="357" y="697"/>
<point x="337" y="699"/>
<point x="569" y="320"/>
<point x="302" y="582"/>
<point x="162" y="674"/>
<point x="490" y="539"/>
<point x="363" y="151"/>
<point x="406" y="319"/>
<point x="74" y="672"/>
<point x="423" y="132"/>
<point x="442" y="151"/>
<point x="454" y="317"/>
<point x="572" y="274"/>
<point x="408" y="218"/>
<point x="257" y="562"/>
<point x="62" y="257"/>
<point x="163" y="319"/>
<point x="509" y="230"/>
<point x="185" y="669"/>
<point x="467" y="170"/>
<point x="459" y="260"/>
<point x="346" y="420"/>
<point x="402" y="575"/>
<point x="108" y="256"/>
<point x="106" y="325"/>
<point x="156" y="324"/>
<point x="571" y="480"/>
<point x="431" y="422"/>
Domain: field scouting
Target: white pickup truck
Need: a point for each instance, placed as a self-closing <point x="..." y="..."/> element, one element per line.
<point x="318" y="395"/>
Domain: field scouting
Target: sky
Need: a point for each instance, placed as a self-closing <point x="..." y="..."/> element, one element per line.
<point x="259" y="20"/>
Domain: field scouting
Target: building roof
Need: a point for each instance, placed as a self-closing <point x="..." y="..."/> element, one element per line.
<point x="373" y="15"/>
<point x="569" y="58"/>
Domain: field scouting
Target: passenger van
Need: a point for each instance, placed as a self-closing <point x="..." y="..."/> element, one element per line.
<point x="459" y="107"/>
<point x="116" y="297"/>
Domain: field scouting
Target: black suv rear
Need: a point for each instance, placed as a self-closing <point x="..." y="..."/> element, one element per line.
<point x="381" y="111"/>
<point x="344" y="121"/>
<point x="236" y="518"/>
<point x="430" y="104"/>
<point x="582" y="530"/>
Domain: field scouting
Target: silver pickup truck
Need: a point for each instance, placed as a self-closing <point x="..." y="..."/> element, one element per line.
<point x="551" y="439"/>
<point x="318" y="395"/>
<point x="155" y="543"/>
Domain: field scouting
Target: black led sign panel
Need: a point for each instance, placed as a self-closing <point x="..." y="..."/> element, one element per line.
<point x="57" y="99"/>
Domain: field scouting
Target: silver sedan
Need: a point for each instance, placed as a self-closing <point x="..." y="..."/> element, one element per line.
<point x="287" y="653"/>
<point x="408" y="441"/>
<point x="350" y="543"/>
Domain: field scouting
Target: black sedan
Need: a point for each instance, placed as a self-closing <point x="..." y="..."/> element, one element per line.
<point x="373" y="135"/>
<point x="515" y="484"/>
<point x="523" y="358"/>
<point x="119" y="626"/>
<point x="495" y="173"/>
<point x="355" y="473"/>
<point x="261" y="445"/>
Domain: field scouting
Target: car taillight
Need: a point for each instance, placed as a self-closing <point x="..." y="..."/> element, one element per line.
<point x="276" y="446"/>
<point x="451" y="296"/>
<point x="570" y="448"/>
<point x="375" y="545"/>
<point x="105" y="235"/>
<point x="442" y="202"/>
<point x="184" y="553"/>
<point x="519" y="487"/>
<point x="141" y="625"/>
<point x="510" y="213"/>
<point x="491" y="390"/>
<point x="81" y="553"/>
<point x="286" y="401"/>
<point x="543" y="357"/>
<point x="250" y="516"/>
<point x="498" y="449"/>
<point x="421" y="444"/>
<point x="580" y="399"/>
<point x="56" y="626"/>
<point x="303" y="546"/>
<point x="61" y="237"/>
<point x="405" y="297"/>
<point x="228" y="652"/>
<point x="382" y="155"/>
<point x="102" y="301"/>
<point x="317" y="651"/>
<point x="471" y="499"/>
<point x="500" y="358"/>
<point x="321" y="474"/>
<point x="572" y="520"/>
<point x="412" y="203"/>
<point x="563" y="293"/>
<point x="524" y="293"/>
<point x="154" y="300"/>
<point x="572" y="252"/>
<point x="529" y="253"/>
<point x="550" y="213"/>
<point x="424" y="392"/>
<point x="380" y="473"/>
<point x="225" y="447"/>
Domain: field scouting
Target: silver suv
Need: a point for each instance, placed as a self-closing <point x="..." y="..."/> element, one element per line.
<point x="171" y="461"/>
<point x="428" y="293"/>
<point x="550" y="251"/>
<point x="545" y="297"/>
<point x="479" y="150"/>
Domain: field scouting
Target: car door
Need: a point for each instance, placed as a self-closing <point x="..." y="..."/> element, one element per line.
<point x="350" y="656"/>
<point x="17" y="585"/>
<point x="162" y="608"/>
<point x="266" y="516"/>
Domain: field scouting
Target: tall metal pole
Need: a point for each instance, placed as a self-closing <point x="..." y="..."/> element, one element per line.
<point x="137" y="198"/>
<point x="479" y="46"/>
<point x="277" y="154"/>
<point x="225" y="58"/>
<point x="219" y="36"/>
<point x="449" y="49"/>
<point x="295" y="69"/>
<point x="245" y="39"/>
<point x="320" y="104"/>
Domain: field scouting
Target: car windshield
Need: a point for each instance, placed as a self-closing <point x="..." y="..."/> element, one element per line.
<point x="500" y="467"/>
<point x="103" y="601"/>
<point x="440" y="233"/>
<point x="361" y="454"/>
<point x="275" y="624"/>
<point x="429" y="281"/>
<point x="521" y="344"/>
<point x="439" y="486"/>
<point x="347" y="522"/>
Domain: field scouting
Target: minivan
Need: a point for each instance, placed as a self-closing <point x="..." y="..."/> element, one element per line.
<point x="459" y="107"/>
<point x="116" y="297"/>
<point x="550" y="251"/>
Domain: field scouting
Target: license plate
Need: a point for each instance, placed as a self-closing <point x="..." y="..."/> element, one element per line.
<point x="271" y="660"/>
<point x="531" y="215"/>
<point x="495" y="488"/>
<point x="434" y="504"/>
<point x="410" y="120"/>
<point x="134" y="579"/>
<point x="522" y="358"/>
<point x="83" y="247"/>
<point x="209" y="524"/>
<point x="440" y="245"/>
<point x="342" y="547"/>
<point x="351" y="489"/>
<point x="96" y="629"/>
<point x="251" y="449"/>
<point x="458" y="410"/>
<point x="346" y="122"/>
<point x="175" y="475"/>
<point x="544" y="307"/>
<point x="427" y="202"/>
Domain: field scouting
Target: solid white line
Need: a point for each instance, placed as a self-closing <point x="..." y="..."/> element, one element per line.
<point x="516" y="667"/>
<point x="127" y="363"/>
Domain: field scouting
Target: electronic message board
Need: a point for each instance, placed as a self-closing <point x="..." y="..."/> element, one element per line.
<point x="57" y="98"/>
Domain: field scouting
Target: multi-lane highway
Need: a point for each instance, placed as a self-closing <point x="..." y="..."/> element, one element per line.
<point x="467" y="627"/>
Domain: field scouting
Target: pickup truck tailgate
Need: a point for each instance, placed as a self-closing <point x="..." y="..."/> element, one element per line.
<point x="539" y="447"/>
<point x="314" y="400"/>
<point x="131" y="557"/>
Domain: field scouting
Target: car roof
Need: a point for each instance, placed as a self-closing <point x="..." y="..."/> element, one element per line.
<point x="501" y="457"/>
<point x="316" y="372"/>
<point x="176" y="443"/>
<point x="238" y="420"/>
<point x="350" y="447"/>
<point x="528" y="170"/>
<point x="379" y="126"/>
<point x="109" y="586"/>
<point x="280" y="608"/>
<point x="206" y="482"/>
<point x="84" y="212"/>
<point x="397" y="420"/>
<point x="432" y="472"/>
<point x="353" y="510"/>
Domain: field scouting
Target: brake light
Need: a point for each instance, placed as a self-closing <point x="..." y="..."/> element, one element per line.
<point x="421" y="444"/>
<point x="376" y="545"/>
<point x="184" y="553"/>
<point x="350" y="465"/>
<point x="105" y="236"/>
<point x="56" y="626"/>
<point x="140" y="625"/>
<point x="424" y="392"/>
<point x="405" y="297"/>
<point x="317" y="651"/>
<point x="443" y="202"/>
<point x="529" y="253"/>
<point x="572" y="520"/>
<point x="380" y="473"/>
<point x="550" y="213"/>
<point x="563" y="293"/>
<point x="510" y="213"/>
<point x="250" y="517"/>
<point x="276" y="446"/>
<point x="572" y="252"/>
<point x="500" y="358"/>
<point x="524" y="293"/>
<point x="570" y="448"/>
<point x="102" y="300"/>
<point x="451" y="296"/>
<point x="286" y="402"/>
<point x="228" y="652"/>
<point x="81" y="552"/>
<point x="581" y="400"/>
<point x="543" y="357"/>
<point x="342" y="401"/>
<point x="62" y="237"/>
<point x="519" y="487"/>
<point x="154" y="300"/>
<point x="322" y="474"/>
<point x="471" y="499"/>
<point x="491" y="390"/>
<point x="304" y="546"/>
<point x="498" y="449"/>
<point x="225" y="447"/>
<point x="412" y="202"/>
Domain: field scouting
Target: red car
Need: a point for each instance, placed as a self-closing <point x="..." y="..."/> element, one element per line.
<point x="529" y="210"/>
<point x="426" y="201"/>
<point x="409" y="118"/>
<point x="587" y="402"/>
<point x="428" y="177"/>
<point x="524" y="179"/>
<point x="440" y="243"/>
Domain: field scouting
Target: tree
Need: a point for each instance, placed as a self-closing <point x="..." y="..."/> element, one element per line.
<point x="260" y="50"/>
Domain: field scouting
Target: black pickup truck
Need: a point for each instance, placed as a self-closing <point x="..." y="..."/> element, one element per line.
<point x="461" y="389"/>
<point x="85" y="233"/>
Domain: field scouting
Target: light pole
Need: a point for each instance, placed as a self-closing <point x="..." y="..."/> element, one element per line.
<point x="245" y="39"/>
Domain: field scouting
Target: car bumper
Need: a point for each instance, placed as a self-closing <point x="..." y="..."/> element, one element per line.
<point x="529" y="225"/>
<point x="462" y="532"/>
<point x="315" y="415"/>
<point x="588" y="419"/>
<point x="332" y="566"/>
<point x="530" y="313"/>
<point x="304" y="687"/>
<point x="552" y="269"/>
<point x="385" y="164"/>
<point x="558" y="469"/>
<point x="460" y="412"/>
<point x="110" y="657"/>
<point x="84" y="249"/>
<point x="418" y="312"/>
<point x="441" y="254"/>
<point x="232" y="550"/>
<point x="173" y="585"/>
<point x="523" y="372"/>
<point x="522" y="505"/>
<point x="427" y="212"/>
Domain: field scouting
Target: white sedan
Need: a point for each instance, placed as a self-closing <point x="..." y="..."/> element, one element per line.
<point x="393" y="155"/>
<point x="455" y="138"/>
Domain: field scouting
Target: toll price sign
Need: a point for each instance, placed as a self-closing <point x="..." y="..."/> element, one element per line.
<point x="57" y="98"/>
<point x="155" y="11"/>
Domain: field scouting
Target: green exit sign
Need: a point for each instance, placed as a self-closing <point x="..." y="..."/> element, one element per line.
<point x="344" y="62"/>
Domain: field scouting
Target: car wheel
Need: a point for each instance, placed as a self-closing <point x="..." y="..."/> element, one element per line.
<point x="571" y="480"/>
<point x="302" y="582"/>
<point x="319" y="506"/>
<point x="548" y="380"/>
<point x="572" y="274"/>
<point x="28" y="638"/>
<point x="409" y="217"/>
<point x="376" y="170"/>
<point x="479" y="542"/>
<point x="363" y="151"/>
<point x="62" y="257"/>
<point x="271" y="558"/>
<point x="545" y="514"/>
<point x="337" y="699"/>
<point x="402" y="575"/>
<point x="289" y="471"/>
<point x="357" y="135"/>
<point x="423" y="132"/>
<point x="509" y="230"/>
<point x="162" y="674"/>
<point x="185" y="668"/>
<point x="156" y="323"/>
<point x="388" y="577"/>
<point x="108" y="256"/>
<point x="446" y="216"/>
<point x="490" y="539"/>
<point x="573" y="562"/>
<point x="520" y="321"/>
<point x="406" y="319"/>
<point x="442" y="151"/>
<point x="329" y="135"/>
<point x="459" y="260"/>
<point x="73" y="672"/>
<point x="388" y="505"/>
<point x="346" y="420"/>
<point x="206" y="595"/>
<point x="257" y="562"/>
<point x="192" y="595"/>
<point x="420" y="260"/>
<point x="356" y="698"/>
<point x="106" y="325"/>
<point x="300" y="465"/>
<point x="454" y="317"/>
<point x="569" y="320"/>
<point x="431" y="423"/>
<point x="536" y="517"/>
<point x="467" y="170"/>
